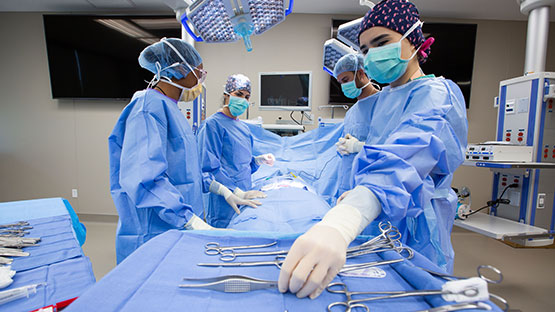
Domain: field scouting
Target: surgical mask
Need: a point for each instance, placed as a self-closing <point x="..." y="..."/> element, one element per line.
<point x="384" y="64"/>
<point x="350" y="88"/>
<point x="237" y="105"/>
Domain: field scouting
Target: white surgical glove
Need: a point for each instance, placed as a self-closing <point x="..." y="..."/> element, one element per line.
<point x="349" y="145"/>
<point x="233" y="200"/>
<point x="267" y="159"/>
<point x="197" y="223"/>
<point x="317" y="256"/>
<point x="248" y="194"/>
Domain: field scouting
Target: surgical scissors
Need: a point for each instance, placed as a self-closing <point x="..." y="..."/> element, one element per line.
<point x="231" y="283"/>
<point x="351" y="303"/>
<point x="214" y="248"/>
<point x="278" y="261"/>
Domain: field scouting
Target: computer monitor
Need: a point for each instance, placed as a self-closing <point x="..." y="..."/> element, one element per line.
<point x="285" y="91"/>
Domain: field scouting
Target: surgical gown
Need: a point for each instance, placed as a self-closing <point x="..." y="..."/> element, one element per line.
<point x="416" y="142"/>
<point x="357" y="124"/>
<point x="225" y="146"/>
<point x="155" y="176"/>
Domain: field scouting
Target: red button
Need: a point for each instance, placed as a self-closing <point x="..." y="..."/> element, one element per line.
<point x="508" y="134"/>
<point x="504" y="179"/>
<point x="546" y="150"/>
<point x="516" y="180"/>
<point x="503" y="184"/>
<point x="520" y="139"/>
<point x="188" y="117"/>
<point x="507" y="139"/>
<point x="550" y="105"/>
<point x="520" y="134"/>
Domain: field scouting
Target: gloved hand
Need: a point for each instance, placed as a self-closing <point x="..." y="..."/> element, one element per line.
<point x="342" y="197"/>
<point x="197" y="223"/>
<point x="313" y="261"/>
<point x="348" y="145"/>
<point x="249" y="194"/>
<point x="233" y="200"/>
<point x="267" y="159"/>
<point x="317" y="256"/>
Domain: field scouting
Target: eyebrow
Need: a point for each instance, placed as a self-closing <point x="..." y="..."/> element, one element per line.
<point x="378" y="38"/>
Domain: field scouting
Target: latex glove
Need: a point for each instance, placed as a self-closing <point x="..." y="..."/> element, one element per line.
<point x="342" y="197"/>
<point x="313" y="261"/>
<point x="249" y="194"/>
<point x="233" y="200"/>
<point x="197" y="223"/>
<point x="267" y="159"/>
<point x="349" y="145"/>
<point x="317" y="256"/>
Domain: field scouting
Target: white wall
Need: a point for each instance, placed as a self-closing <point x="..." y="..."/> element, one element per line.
<point x="48" y="147"/>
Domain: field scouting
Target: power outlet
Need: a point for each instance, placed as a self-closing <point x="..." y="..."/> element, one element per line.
<point x="74" y="193"/>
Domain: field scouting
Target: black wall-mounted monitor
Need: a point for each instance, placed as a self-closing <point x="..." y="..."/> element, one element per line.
<point x="96" y="57"/>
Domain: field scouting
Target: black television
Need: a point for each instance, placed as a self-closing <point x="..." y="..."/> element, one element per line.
<point x="452" y="57"/>
<point x="95" y="57"/>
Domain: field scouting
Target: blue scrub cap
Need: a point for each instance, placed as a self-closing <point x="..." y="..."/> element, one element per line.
<point x="237" y="82"/>
<point x="349" y="62"/>
<point x="166" y="55"/>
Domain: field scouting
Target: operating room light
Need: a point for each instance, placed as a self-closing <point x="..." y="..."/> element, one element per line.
<point x="333" y="51"/>
<point x="231" y="20"/>
<point x="348" y="33"/>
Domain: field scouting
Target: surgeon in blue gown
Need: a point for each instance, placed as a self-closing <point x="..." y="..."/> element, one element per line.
<point x="155" y="176"/>
<point x="403" y="174"/>
<point x="225" y="144"/>
<point x="355" y="84"/>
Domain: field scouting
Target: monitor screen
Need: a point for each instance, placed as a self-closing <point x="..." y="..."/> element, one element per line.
<point x="285" y="91"/>
<point x="95" y="57"/>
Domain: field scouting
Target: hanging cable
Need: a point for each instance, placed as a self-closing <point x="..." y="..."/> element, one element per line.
<point x="495" y="203"/>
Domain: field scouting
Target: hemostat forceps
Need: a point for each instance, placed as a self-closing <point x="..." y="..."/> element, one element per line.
<point x="214" y="248"/>
<point x="278" y="261"/>
<point x="356" y="266"/>
<point x="351" y="303"/>
<point x="480" y="270"/>
<point x="231" y="283"/>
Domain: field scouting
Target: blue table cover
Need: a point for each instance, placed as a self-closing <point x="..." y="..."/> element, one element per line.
<point x="64" y="280"/>
<point x="58" y="260"/>
<point x="148" y="279"/>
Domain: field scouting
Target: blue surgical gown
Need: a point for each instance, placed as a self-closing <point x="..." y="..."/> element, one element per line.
<point x="155" y="176"/>
<point x="357" y="124"/>
<point x="417" y="140"/>
<point x="225" y="146"/>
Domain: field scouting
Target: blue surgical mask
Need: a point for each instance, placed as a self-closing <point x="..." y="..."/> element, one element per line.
<point x="350" y="88"/>
<point x="237" y="105"/>
<point x="384" y="64"/>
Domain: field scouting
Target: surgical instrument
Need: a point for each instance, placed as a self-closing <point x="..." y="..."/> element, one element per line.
<point x="11" y="252"/>
<point x="278" y="261"/>
<point x="480" y="270"/>
<point x="18" y="224"/>
<point x="356" y="266"/>
<point x="20" y="292"/>
<point x="214" y="248"/>
<point x="459" y="306"/>
<point x="481" y="275"/>
<point x="351" y="303"/>
<point x="231" y="283"/>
